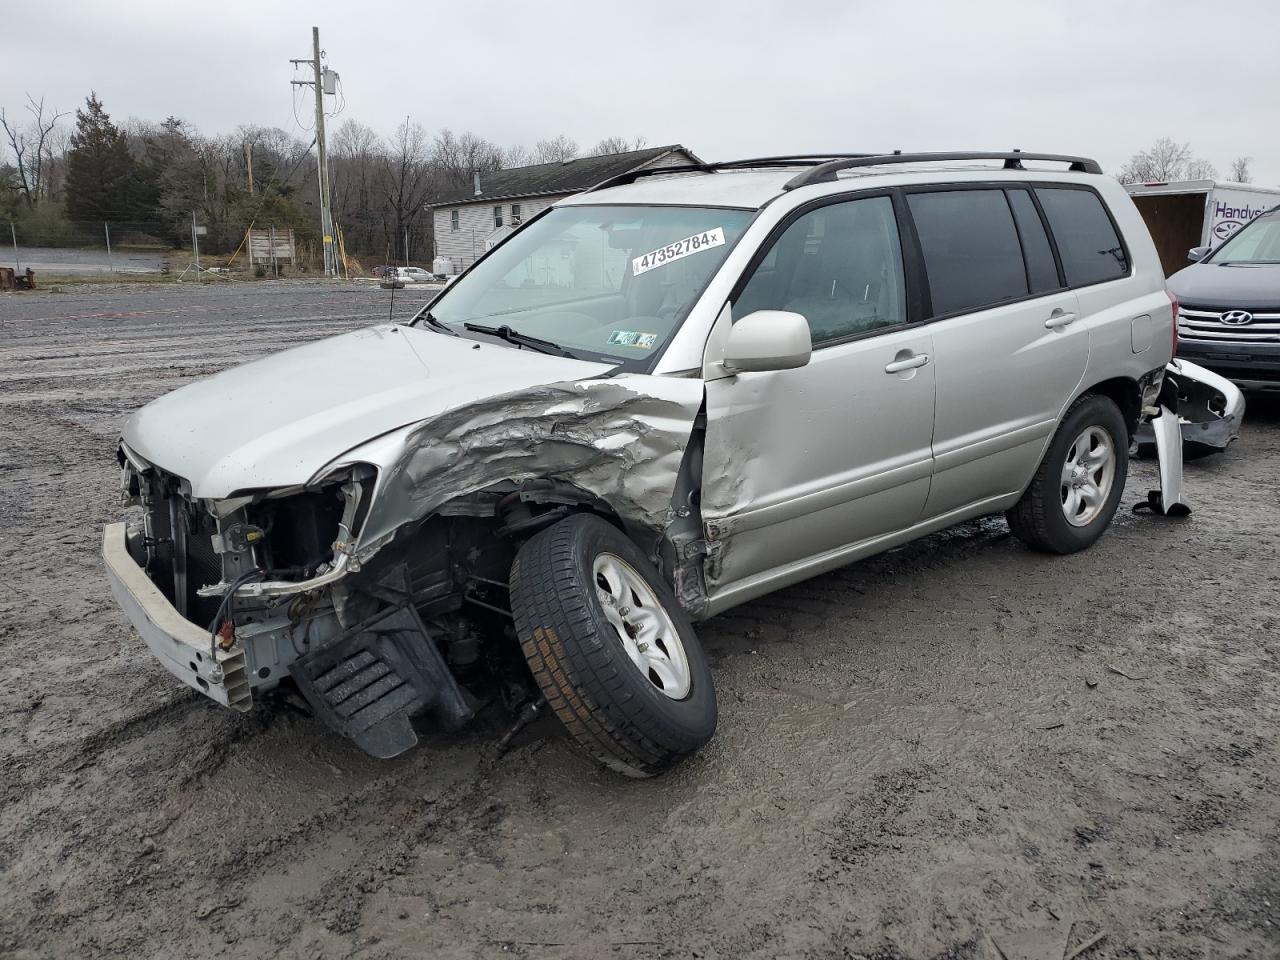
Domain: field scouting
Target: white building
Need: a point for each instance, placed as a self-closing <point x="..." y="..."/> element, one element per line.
<point x="468" y="222"/>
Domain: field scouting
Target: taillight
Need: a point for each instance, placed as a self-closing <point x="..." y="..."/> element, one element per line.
<point x="1173" y="302"/>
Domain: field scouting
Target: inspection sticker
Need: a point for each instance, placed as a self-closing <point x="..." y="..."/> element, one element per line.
<point x="631" y="338"/>
<point x="678" y="250"/>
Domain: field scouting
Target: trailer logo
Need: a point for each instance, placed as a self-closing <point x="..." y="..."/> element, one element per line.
<point x="1229" y="217"/>
<point x="1225" y="228"/>
<point x="1237" y="318"/>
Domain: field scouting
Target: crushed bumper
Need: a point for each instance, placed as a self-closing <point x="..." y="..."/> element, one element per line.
<point x="1210" y="408"/>
<point x="181" y="646"/>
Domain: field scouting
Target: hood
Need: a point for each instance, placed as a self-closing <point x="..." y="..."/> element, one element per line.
<point x="276" y="421"/>
<point x="1240" y="286"/>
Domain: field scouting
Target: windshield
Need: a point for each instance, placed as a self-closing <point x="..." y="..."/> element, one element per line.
<point x="611" y="283"/>
<point x="1256" y="242"/>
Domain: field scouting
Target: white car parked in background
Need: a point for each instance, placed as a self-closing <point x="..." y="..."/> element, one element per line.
<point x="415" y="275"/>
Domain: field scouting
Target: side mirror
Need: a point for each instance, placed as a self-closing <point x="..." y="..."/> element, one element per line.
<point x="1196" y="254"/>
<point x="768" y="340"/>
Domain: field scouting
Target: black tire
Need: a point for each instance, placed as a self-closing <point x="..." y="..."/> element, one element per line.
<point x="1038" y="519"/>
<point x="610" y="708"/>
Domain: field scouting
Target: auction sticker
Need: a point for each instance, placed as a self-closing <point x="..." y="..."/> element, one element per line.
<point x="633" y="338"/>
<point x="678" y="250"/>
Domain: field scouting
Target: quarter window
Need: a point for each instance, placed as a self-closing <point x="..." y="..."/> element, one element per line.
<point x="839" y="266"/>
<point x="453" y="219"/>
<point x="1042" y="272"/>
<point x="970" y="246"/>
<point x="1090" y="248"/>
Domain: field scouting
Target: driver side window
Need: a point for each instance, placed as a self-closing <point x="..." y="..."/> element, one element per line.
<point x="839" y="266"/>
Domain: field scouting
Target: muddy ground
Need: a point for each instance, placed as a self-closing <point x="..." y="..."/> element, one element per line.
<point x="959" y="749"/>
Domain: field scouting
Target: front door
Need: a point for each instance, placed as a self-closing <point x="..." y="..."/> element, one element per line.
<point x="804" y="463"/>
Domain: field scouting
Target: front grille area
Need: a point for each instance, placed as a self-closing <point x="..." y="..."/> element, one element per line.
<point x="1205" y="324"/>
<point x="181" y="558"/>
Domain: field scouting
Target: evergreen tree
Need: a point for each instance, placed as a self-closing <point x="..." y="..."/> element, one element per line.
<point x="102" y="177"/>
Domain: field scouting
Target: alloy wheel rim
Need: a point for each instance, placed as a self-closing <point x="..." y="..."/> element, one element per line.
<point x="1087" y="476"/>
<point x="645" y="629"/>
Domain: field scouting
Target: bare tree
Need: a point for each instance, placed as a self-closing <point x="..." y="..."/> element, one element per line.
<point x="409" y="179"/>
<point x="611" y="145"/>
<point x="557" y="149"/>
<point x="1166" y="160"/>
<point x="1163" y="160"/>
<point x="30" y="145"/>
<point x="459" y="158"/>
<point x="516" y="156"/>
<point x="1240" y="170"/>
<point x="1199" y="169"/>
<point x="357" y="156"/>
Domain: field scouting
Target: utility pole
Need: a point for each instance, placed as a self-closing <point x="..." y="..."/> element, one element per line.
<point x="248" y="162"/>
<point x="323" y="78"/>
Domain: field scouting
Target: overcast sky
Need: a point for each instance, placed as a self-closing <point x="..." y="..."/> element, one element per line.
<point x="726" y="79"/>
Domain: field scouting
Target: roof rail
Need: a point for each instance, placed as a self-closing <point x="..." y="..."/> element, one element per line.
<point x="826" y="172"/>
<point x="789" y="160"/>
<point x="631" y="176"/>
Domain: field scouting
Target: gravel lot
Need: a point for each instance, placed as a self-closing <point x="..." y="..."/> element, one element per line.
<point x="959" y="749"/>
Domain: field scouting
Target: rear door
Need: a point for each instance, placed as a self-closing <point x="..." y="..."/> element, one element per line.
<point x="1009" y="345"/>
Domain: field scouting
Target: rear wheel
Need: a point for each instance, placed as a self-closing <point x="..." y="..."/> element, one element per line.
<point x="614" y="654"/>
<point x="1078" y="485"/>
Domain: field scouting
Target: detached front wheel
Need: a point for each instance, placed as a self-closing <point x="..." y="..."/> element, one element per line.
<point x="613" y="652"/>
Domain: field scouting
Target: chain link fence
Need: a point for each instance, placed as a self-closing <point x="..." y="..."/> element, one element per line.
<point x="57" y="249"/>
<point x="88" y="248"/>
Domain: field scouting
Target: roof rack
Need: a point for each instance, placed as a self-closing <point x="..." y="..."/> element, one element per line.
<point x="826" y="172"/>
<point x="825" y="166"/>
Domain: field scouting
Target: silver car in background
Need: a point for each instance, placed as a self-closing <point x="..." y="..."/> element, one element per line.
<point x="654" y="401"/>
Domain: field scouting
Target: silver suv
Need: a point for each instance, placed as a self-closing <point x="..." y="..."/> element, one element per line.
<point x="656" y="400"/>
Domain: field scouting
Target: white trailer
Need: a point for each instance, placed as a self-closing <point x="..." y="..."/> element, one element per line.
<point x="1197" y="213"/>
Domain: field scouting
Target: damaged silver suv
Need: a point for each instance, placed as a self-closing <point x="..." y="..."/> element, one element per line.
<point x="656" y="400"/>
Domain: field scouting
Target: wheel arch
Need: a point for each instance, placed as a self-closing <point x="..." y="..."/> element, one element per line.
<point x="1124" y="392"/>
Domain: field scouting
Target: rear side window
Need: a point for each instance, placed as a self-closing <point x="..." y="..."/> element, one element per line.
<point x="1042" y="272"/>
<point x="970" y="246"/>
<point x="1090" y="248"/>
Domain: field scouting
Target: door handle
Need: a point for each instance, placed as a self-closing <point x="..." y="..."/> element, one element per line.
<point x="1059" y="319"/>
<point x="907" y="363"/>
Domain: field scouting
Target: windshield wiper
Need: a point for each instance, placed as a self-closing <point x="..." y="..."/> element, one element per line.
<point x="519" y="339"/>
<point x="438" y="324"/>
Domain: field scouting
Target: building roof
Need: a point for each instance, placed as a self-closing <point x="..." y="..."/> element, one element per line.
<point x="543" y="179"/>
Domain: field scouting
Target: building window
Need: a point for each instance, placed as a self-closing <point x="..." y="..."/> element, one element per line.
<point x="497" y="216"/>
<point x="515" y="214"/>
<point x="453" y="220"/>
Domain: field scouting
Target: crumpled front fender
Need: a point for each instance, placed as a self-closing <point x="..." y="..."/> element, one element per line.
<point x="620" y="438"/>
